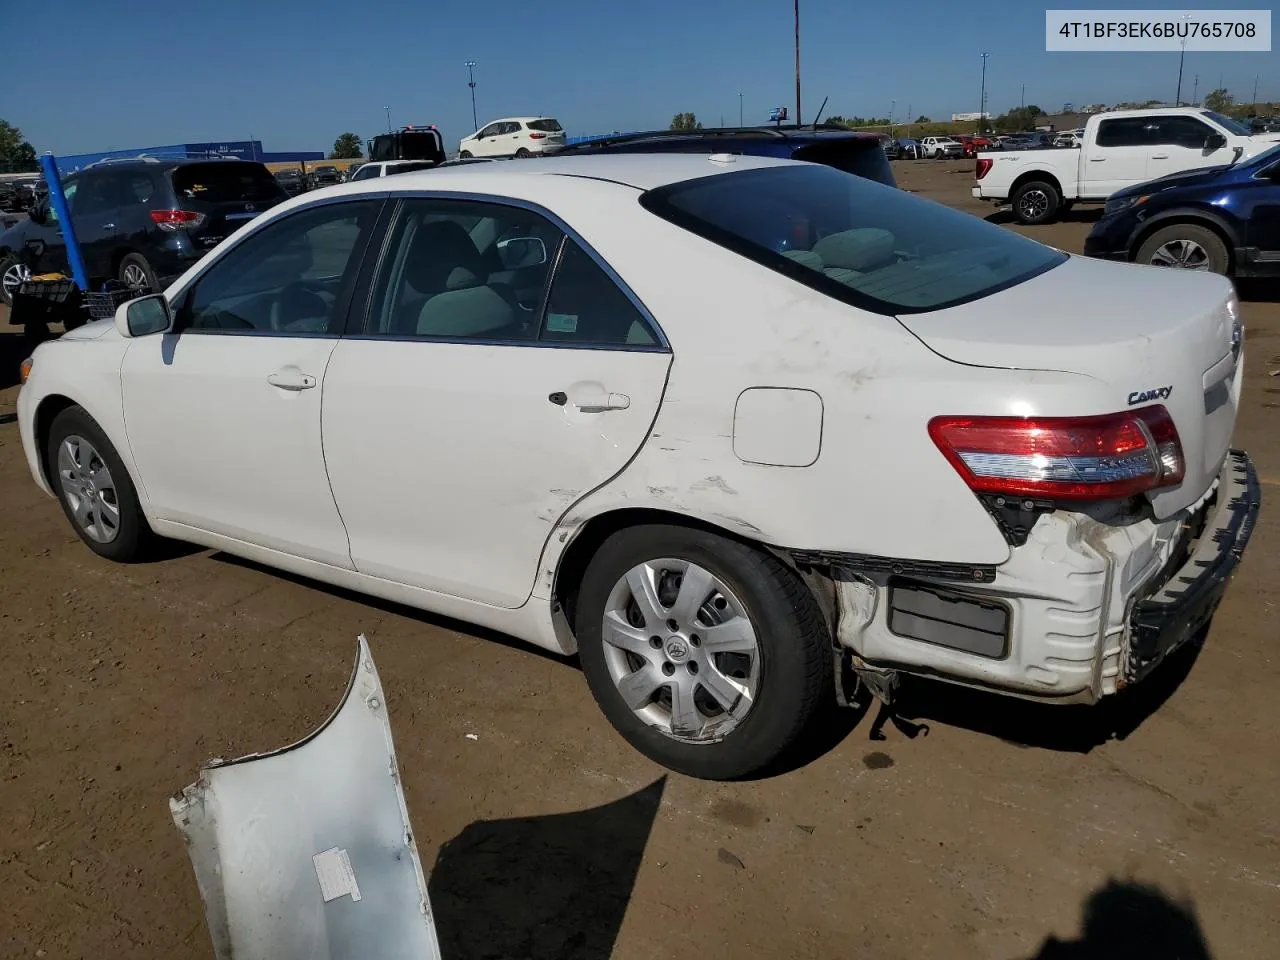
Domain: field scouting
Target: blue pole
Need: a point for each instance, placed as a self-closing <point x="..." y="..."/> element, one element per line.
<point x="58" y="200"/>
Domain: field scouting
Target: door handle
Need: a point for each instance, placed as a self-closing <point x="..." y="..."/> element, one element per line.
<point x="291" y="380"/>
<point x="614" y="401"/>
<point x="1097" y="159"/>
<point x="1159" y="156"/>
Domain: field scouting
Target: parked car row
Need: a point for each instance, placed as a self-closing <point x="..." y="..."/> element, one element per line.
<point x="20" y="193"/>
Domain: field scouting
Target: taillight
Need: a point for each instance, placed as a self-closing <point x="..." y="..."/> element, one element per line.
<point x="983" y="168"/>
<point x="1064" y="458"/>
<point x="172" y="220"/>
<point x="536" y="136"/>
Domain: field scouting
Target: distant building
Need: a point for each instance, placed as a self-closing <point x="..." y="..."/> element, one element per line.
<point x="970" y="116"/>
<point x="1093" y="108"/>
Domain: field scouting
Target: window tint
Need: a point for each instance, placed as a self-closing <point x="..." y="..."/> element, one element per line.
<point x="410" y="167"/>
<point x="587" y="307"/>
<point x="1124" y="132"/>
<point x="1227" y="123"/>
<point x="225" y="181"/>
<point x="463" y="270"/>
<point x="547" y="125"/>
<point x="861" y="242"/>
<point x="1181" y="132"/>
<point x="98" y="192"/>
<point x="286" y="278"/>
<point x="367" y="172"/>
<point x="138" y="188"/>
<point x="490" y="130"/>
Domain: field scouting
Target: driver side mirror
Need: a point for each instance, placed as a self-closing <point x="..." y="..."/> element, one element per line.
<point x="1214" y="141"/>
<point x="144" y="316"/>
<point x="520" y="252"/>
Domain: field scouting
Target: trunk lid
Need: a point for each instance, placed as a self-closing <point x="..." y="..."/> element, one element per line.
<point x="1147" y="335"/>
<point x="228" y="193"/>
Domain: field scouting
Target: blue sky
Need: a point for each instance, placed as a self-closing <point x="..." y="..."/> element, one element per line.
<point x="108" y="75"/>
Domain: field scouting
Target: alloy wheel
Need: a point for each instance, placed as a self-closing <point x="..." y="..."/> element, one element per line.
<point x="134" y="276"/>
<point x="88" y="489"/>
<point x="681" y="650"/>
<point x="1183" y="254"/>
<point x="1033" y="204"/>
<point x="14" y="277"/>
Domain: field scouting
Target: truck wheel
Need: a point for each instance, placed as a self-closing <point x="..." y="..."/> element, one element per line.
<point x="710" y="657"/>
<point x="1036" y="202"/>
<point x="1187" y="246"/>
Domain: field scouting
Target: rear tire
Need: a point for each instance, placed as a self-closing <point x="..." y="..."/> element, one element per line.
<point x="522" y="153"/>
<point x="136" y="272"/>
<point x="764" y="650"/>
<point x="94" y="488"/>
<point x="1187" y="246"/>
<point x="12" y="272"/>
<point x="1036" y="202"/>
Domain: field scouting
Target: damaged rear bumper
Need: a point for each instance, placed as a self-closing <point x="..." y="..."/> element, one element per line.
<point x="1182" y="605"/>
<point x="1090" y="602"/>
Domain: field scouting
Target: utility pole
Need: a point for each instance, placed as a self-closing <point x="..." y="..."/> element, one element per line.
<point x="893" y="106"/>
<point x="1024" y="96"/>
<point x="740" y="108"/>
<point x="1255" y="93"/>
<point x="471" y="82"/>
<point x="982" y="100"/>
<point x="388" y="111"/>
<point x="1195" y="90"/>
<point x="797" y="6"/>
<point x="1181" y="57"/>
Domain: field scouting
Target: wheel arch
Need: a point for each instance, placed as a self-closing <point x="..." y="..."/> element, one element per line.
<point x="48" y="409"/>
<point x="1227" y="232"/>
<point x="576" y="556"/>
<point x="1043" y="176"/>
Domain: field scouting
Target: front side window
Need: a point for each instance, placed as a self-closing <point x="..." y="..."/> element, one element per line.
<point x="491" y="130"/>
<point x="367" y="172"/>
<point x="289" y="277"/>
<point x="1229" y="124"/>
<point x="860" y="242"/>
<point x="1182" y="132"/>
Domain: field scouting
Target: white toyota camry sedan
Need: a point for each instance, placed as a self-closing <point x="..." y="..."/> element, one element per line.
<point x="742" y="433"/>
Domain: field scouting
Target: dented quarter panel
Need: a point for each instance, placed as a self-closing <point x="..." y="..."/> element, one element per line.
<point x="254" y="825"/>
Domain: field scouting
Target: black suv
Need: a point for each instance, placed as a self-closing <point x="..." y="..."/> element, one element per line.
<point x="325" y="177"/>
<point x="857" y="153"/>
<point x="292" y="181"/>
<point x="143" y="221"/>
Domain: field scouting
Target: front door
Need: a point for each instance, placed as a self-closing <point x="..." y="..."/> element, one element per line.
<point x="1117" y="158"/>
<point x="1179" y="144"/>
<point x="223" y="415"/>
<point x="471" y="414"/>
<point x="1262" y="219"/>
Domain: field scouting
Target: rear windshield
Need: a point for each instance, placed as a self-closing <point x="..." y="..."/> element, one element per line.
<point x="225" y="182"/>
<point x="410" y="167"/>
<point x="865" y="158"/>
<point x="549" y="126"/>
<point x="877" y="248"/>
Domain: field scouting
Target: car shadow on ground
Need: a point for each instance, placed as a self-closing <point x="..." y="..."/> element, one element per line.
<point x="1023" y="723"/>
<point x="398" y="609"/>
<point x="1123" y="919"/>
<point x="542" y="888"/>
<point x="1258" y="290"/>
<point x="1004" y="217"/>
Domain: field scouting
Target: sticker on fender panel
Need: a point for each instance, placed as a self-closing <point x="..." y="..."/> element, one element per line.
<point x="337" y="878"/>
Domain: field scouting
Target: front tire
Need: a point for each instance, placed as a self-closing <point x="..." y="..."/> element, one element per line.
<point x="709" y="656"/>
<point x="95" y="489"/>
<point x="465" y="155"/>
<point x="1036" y="202"/>
<point x="1186" y="246"/>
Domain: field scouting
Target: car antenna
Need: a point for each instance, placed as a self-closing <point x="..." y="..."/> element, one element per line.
<point x="819" y="113"/>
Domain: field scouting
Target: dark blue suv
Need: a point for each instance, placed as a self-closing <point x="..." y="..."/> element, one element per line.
<point x="1223" y="219"/>
<point x="857" y="153"/>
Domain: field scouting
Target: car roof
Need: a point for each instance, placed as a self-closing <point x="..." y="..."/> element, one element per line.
<point x="1148" y="112"/>
<point x="778" y="134"/>
<point x="641" y="171"/>
<point x="513" y="120"/>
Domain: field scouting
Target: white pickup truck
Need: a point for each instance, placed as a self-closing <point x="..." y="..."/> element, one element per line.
<point x="1119" y="149"/>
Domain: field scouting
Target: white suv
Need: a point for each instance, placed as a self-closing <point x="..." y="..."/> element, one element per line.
<point x="514" y="137"/>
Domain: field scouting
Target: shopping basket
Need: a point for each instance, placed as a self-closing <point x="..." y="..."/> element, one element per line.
<point x="102" y="304"/>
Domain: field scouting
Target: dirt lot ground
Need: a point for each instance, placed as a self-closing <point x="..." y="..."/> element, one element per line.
<point x="1125" y="831"/>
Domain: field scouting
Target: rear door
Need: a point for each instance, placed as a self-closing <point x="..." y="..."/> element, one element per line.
<point x="95" y="209"/>
<point x="1118" y="156"/>
<point x="227" y="194"/>
<point x="461" y="424"/>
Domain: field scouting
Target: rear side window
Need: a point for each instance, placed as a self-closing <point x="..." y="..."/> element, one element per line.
<point x="880" y="249"/>
<point x="545" y="125"/>
<point x="366" y="172"/>
<point x="225" y="182"/>
<point x="586" y="307"/>
<point x="863" y="158"/>
<point x="1124" y="132"/>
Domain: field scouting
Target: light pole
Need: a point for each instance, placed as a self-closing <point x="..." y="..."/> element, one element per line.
<point x="1024" y="96"/>
<point x="1254" y="102"/>
<point x="740" y="108"/>
<point x="893" y="106"/>
<point x="1195" y="90"/>
<point x="797" y="6"/>
<point x="982" y="99"/>
<point x="1181" y="57"/>
<point x="388" y="112"/>
<point x="471" y="82"/>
